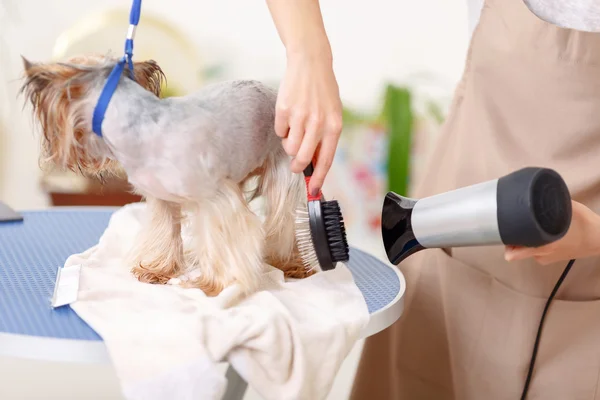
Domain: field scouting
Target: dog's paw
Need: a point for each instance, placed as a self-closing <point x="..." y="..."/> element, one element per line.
<point x="211" y="288"/>
<point x="147" y="275"/>
<point x="294" y="268"/>
<point x="298" y="272"/>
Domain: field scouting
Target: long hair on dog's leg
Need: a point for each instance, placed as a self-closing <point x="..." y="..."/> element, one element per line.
<point x="228" y="241"/>
<point x="158" y="253"/>
<point x="284" y="192"/>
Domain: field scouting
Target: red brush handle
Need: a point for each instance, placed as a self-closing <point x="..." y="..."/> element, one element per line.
<point x="310" y="197"/>
<point x="308" y="171"/>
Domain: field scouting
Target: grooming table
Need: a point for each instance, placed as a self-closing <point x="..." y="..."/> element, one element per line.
<point x="31" y="252"/>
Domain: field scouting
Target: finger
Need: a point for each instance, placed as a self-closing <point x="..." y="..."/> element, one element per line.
<point x="549" y="257"/>
<point x="541" y="260"/>
<point x="282" y="126"/>
<point x="323" y="164"/>
<point x="326" y="153"/>
<point x="309" y="144"/>
<point x="292" y="142"/>
<point x="545" y="259"/>
<point x="513" y="253"/>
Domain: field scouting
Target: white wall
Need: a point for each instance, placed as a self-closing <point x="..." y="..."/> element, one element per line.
<point x="374" y="41"/>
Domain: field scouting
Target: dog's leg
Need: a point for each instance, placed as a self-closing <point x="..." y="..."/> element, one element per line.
<point x="284" y="192"/>
<point x="158" y="255"/>
<point x="228" y="241"/>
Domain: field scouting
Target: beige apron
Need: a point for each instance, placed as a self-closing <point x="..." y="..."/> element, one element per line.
<point x="529" y="96"/>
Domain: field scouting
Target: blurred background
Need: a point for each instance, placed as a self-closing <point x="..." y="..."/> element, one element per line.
<point x="397" y="63"/>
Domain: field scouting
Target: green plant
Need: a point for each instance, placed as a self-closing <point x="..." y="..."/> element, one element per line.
<point x="397" y="116"/>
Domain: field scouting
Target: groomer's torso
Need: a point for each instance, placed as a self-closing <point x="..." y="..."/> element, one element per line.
<point x="529" y="96"/>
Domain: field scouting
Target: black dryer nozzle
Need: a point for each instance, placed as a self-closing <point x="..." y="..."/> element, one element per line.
<point x="396" y="228"/>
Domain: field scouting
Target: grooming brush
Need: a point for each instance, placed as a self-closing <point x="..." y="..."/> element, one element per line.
<point x="320" y="231"/>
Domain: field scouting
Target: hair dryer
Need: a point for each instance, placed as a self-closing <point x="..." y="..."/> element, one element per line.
<point x="530" y="207"/>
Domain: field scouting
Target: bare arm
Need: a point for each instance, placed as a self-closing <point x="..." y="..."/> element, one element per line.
<point x="309" y="109"/>
<point x="300" y="27"/>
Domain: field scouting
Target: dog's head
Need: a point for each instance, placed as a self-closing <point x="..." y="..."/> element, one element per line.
<point x="59" y="93"/>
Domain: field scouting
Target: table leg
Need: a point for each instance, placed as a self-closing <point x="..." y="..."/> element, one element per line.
<point x="236" y="385"/>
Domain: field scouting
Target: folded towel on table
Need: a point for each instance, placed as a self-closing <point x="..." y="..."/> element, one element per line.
<point x="287" y="341"/>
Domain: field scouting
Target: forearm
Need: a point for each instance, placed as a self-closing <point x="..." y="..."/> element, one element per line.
<point x="309" y="109"/>
<point x="300" y="27"/>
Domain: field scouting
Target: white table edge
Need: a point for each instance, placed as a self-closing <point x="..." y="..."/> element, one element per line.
<point x="388" y="315"/>
<point x="42" y="348"/>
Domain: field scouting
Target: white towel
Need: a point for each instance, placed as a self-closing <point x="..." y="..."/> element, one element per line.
<point x="287" y="341"/>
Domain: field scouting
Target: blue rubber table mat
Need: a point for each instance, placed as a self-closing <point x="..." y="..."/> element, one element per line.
<point x="31" y="251"/>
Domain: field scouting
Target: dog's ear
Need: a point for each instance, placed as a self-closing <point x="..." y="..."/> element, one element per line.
<point x="27" y="65"/>
<point x="149" y="75"/>
<point x="37" y="77"/>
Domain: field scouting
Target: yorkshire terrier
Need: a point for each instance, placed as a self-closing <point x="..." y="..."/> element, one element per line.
<point x="192" y="159"/>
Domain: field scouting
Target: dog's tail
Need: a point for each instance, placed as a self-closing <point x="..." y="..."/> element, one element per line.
<point x="284" y="192"/>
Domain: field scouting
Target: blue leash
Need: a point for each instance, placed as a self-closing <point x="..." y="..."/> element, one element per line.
<point x="115" y="75"/>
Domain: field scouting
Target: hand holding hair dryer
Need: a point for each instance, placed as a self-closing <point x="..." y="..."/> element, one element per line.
<point x="530" y="207"/>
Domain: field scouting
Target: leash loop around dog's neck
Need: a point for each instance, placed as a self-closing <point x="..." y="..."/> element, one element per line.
<point x="115" y="75"/>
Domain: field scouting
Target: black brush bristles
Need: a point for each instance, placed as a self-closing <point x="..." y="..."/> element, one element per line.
<point x="335" y="231"/>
